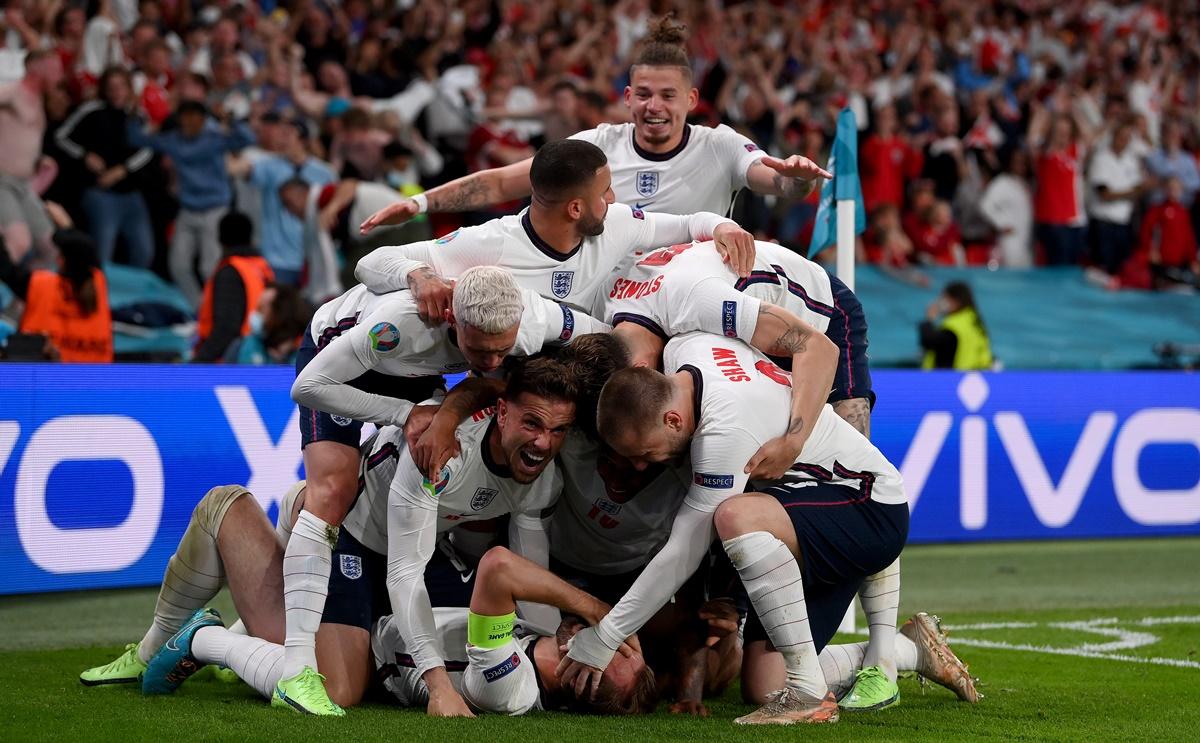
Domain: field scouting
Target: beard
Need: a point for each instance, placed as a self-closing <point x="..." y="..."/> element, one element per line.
<point x="591" y="226"/>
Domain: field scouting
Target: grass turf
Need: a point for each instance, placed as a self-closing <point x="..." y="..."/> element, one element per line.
<point x="45" y="641"/>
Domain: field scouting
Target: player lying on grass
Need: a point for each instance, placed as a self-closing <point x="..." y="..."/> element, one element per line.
<point x="496" y="473"/>
<point x="497" y="662"/>
<point x="364" y="351"/>
<point x="659" y="161"/>
<point x="720" y="401"/>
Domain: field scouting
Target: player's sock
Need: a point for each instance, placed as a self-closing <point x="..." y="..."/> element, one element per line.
<point x="772" y="579"/>
<point x="880" y="596"/>
<point x="908" y="657"/>
<point x="840" y="664"/>
<point x="255" y="661"/>
<point x="238" y="628"/>
<point x="305" y="583"/>
<point x="194" y="573"/>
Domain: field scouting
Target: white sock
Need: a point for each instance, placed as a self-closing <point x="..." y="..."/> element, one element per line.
<point x="840" y="663"/>
<point x="880" y="596"/>
<point x="772" y="578"/>
<point x="193" y="577"/>
<point x="238" y="628"/>
<point x="305" y="584"/>
<point x="255" y="661"/>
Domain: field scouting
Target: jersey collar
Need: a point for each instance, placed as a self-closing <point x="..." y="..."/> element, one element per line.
<point x="697" y="391"/>
<point x="485" y="451"/>
<point x="659" y="157"/>
<point x="541" y="244"/>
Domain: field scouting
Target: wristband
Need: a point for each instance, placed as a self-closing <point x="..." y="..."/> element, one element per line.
<point x="489" y="632"/>
<point x="422" y="202"/>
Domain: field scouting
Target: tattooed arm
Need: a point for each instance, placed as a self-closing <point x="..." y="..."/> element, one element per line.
<point x="814" y="365"/>
<point x="857" y="412"/>
<point x="471" y="192"/>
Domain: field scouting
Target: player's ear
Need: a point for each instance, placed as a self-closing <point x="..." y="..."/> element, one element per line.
<point x="448" y="316"/>
<point x="628" y="96"/>
<point x="575" y="208"/>
<point x="501" y="410"/>
<point x="673" y="420"/>
<point x="693" y="99"/>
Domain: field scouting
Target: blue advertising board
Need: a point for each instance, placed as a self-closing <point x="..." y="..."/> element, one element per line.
<point x="100" y="466"/>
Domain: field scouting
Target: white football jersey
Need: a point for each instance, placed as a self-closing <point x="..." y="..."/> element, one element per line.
<point x="471" y="487"/>
<point x="609" y="524"/>
<point x="687" y="287"/>
<point x="703" y="173"/>
<point x="386" y="335"/>
<point x="742" y="400"/>
<point x="574" y="279"/>
<point x="502" y="680"/>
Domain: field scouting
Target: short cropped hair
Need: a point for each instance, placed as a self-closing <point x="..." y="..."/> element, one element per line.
<point x="541" y="376"/>
<point x="664" y="47"/>
<point x="632" y="400"/>
<point x="562" y="168"/>
<point x="595" y="357"/>
<point x="488" y="299"/>
<point x="642" y="699"/>
<point x="235" y="230"/>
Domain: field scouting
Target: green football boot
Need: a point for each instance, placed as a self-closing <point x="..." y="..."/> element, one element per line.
<point x="305" y="693"/>
<point x="872" y="690"/>
<point x="127" y="669"/>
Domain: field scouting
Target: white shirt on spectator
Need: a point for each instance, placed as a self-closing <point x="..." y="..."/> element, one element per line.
<point x="1008" y="205"/>
<point x="1116" y="173"/>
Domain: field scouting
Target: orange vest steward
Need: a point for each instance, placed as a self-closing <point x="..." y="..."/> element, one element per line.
<point x="51" y="310"/>
<point x="255" y="273"/>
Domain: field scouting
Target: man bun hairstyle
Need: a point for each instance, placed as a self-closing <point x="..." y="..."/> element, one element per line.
<point x="488" y="299"/>
<point x="561" y="169"/>
<point x="664" y="46"/>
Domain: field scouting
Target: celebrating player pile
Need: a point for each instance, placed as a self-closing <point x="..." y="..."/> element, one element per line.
<point x="709" y="452"/>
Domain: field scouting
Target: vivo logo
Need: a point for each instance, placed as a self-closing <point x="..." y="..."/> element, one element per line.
<point x="273" y="466"/>
<point x="1055" y="503"/>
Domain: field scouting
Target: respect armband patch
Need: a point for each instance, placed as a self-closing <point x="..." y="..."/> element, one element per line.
<point x="716" y="482"/>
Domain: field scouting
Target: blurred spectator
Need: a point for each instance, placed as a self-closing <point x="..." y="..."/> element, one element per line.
<point x="953" y="334"/>
<point x="1114" y="181"/>
<point x="1172" y="161"/>
<point x="1168" y="243"/>
<point x="153" y="81"/>
<point x="281" y="233"/>
<point x="1058" y="202"/>
<point x="886" y="162"/>
<point x="70" y="305"/>
<point x="23" y="221"/>
<point x="937" y="238"/>
<point x="276" y="329"/>
<point x="102" y="46"/>
<point x="944" y="162"/>
<point x="1008" y="205"/>
<point x="232" y="292"/>
<point x="197" y="151"/>
<point x="96" y="135"/>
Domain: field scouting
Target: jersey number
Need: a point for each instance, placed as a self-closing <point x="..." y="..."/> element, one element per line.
<point x="663" y="256"/>
<point x="774" y="373"/>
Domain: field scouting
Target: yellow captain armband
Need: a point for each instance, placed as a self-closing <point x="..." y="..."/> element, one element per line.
<point x="489" y="632"/>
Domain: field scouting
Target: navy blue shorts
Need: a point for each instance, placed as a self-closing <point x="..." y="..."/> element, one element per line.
<point x="844" y="537"/>
<point x="318" y="426"/>
<point x="357" y="584"/>
<point x="848" y="330"/>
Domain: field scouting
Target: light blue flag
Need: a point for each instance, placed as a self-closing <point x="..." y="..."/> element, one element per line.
<point x="843" y="163"/>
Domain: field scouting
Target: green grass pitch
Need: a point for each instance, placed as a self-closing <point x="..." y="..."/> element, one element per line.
<point x="1081" y="641"/>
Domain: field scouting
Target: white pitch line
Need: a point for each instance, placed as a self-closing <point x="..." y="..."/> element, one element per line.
<point x="990" y="625"/>
<point x="1076" y="652"/>
<point x="1152" y="621"/>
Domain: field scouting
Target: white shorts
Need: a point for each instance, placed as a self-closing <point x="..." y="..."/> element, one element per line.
<point x="501" y="679"/>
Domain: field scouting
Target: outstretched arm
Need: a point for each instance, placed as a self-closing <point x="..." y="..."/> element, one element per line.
<point x="504" y="578"/>
<point x="471" y="192"/>
<point x="793" y="178"/>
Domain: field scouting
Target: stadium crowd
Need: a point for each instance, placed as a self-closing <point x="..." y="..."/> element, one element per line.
<point x="1000" y="133"/>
